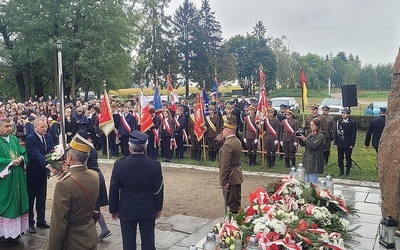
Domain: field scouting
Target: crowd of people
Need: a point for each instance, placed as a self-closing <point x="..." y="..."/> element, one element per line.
<point x="29" y="131"/>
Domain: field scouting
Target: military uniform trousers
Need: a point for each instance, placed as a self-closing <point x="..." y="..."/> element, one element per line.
<point x="233" y="197"/>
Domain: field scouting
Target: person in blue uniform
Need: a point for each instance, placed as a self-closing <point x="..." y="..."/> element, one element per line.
<point x="137" y="193"/>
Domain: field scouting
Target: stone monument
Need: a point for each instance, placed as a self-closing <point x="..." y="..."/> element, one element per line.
<point x="389" y="150"/>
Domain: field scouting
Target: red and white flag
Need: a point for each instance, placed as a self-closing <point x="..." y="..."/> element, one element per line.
<point x="146" y="121"/>
<point x="199" y="118"/>
<point x="262" y="99"/>
<point x="171" y="93"/>
<point x="106" y="121"/>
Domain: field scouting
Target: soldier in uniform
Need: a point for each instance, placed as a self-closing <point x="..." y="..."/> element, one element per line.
<point x="153" y="143"/>
<point x="250" y="135"/>
<point x="137" y="193"/>
<point x="345" y="140"/>
<point x="230" y="173"/>
<point x="196" y="146"/>
<point x="288" y="139"/>
<point x="72" y="225"/>
<point x="228" y="116"/>
<point x="307" y="121"/>
<point x="328" y="131"/>
<point x="212" y="127"/>
<point x="271" y="136"/>
<point x="281" y="115"/>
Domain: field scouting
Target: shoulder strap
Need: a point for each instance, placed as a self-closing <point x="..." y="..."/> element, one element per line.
<point x="83" y="189"/>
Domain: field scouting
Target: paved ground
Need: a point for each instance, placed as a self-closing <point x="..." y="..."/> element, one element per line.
<point x="178" y="231"/>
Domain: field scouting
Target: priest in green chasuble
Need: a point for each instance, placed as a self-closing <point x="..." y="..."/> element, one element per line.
<point x="14" y="193"/>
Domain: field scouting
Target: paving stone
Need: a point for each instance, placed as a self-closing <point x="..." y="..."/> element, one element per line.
<point x="186" y="224"/>
<point x="373" y="198"/>
<point x="368" y="208"/>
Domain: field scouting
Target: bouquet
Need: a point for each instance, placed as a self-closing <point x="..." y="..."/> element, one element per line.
<point x="290" y="215"/>
<point x="56" y="158"/>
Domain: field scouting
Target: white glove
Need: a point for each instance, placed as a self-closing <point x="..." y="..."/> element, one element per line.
<point x="295" y="144"/>
<point x="255" y="141"/>
<point x="282" y="143"/>
<point x="244" y="140"/>
<point x="276" y="142"/>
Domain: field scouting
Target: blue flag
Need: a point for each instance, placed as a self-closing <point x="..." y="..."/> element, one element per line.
<point x="214" y="89"/>
<point x="206" y="103"/>
<point x="157" y="99"/>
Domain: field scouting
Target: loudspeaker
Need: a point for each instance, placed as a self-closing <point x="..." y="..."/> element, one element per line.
<point x="349" y="95"/>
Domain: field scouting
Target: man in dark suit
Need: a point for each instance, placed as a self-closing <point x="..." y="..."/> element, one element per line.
<point x="127" y="124"/>
<point x="345" y="140"/>
<point x="136" y="193"/>
<point x="375" y="130"/>
<point x="38" y="144"/>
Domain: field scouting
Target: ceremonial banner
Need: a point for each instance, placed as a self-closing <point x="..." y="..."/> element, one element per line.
<point x="206" y="103"/>
<point x="303" y="81"/>
<point x="199" y="118"/>
<point x="214" y="89"/>
<point x="146" y="121"/>
<point x="106" y="121"/>
<point x="157" y="99"/>
<point x="262" y="99"/>
<point x="171" y="96"/>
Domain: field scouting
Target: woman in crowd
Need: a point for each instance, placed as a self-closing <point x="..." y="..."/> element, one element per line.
<point x="167" y="128"/>
<point x="313" y="157"/>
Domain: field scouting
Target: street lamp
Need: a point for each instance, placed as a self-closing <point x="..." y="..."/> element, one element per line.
<point x="61" y="93"/>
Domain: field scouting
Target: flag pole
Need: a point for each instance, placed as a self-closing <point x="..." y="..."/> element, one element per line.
<point x="204" y="149"/>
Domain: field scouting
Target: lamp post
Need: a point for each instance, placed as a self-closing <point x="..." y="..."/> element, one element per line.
<point x="61" y="93"/>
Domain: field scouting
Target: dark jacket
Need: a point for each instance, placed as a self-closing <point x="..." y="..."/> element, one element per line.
<point x="313" y="157"/>
<point x="36" y="169"/>
<point x="136" y="188"/>
<point x="375" y="130"/>
<point x="345" y="133"/>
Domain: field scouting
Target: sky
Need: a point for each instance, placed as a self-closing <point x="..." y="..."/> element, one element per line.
<point x="367" y="28"/>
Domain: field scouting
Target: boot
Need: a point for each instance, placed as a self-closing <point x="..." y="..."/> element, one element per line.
<point x="273" y="160"/>
<point x="326" y="157"/>
<point x="287" y="162"/>
<point x="348" y="167"/>
<point x="250" y="159"/>
<point x="269" y="161"/>
<point x="210" y="155"/>
<point x="254" y="159"/>
<point x="341" y="170"/>
<point x="293" y="161"/>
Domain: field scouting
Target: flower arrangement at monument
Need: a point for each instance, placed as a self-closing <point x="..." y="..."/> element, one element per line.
<point x="290" y="215"/>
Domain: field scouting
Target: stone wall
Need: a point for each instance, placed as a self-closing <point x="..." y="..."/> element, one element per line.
<point x="389" y="150"/>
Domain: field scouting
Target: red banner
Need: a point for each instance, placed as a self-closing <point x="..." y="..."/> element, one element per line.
<point x="303" y="81"/>
<point x="106" y="121"/>
<point x="199" y="118"/>
<point x="171" y="92"/>
<point x="146" y="121"/>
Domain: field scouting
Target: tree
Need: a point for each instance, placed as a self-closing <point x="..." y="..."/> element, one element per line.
<point x="251" y="53"/>
<point x="186" y="22"/>
<point x="259" y="30"/>
<point x="96" y="37"/>
<point x="207" y="42"/>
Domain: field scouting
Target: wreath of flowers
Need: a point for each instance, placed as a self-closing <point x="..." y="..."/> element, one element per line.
<point x="290" y="215"/>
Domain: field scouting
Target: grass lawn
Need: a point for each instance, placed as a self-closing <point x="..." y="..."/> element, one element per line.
<point x="364" y="157"/>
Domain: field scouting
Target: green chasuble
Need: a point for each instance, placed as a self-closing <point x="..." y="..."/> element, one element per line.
<point x="14" y="192"/>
